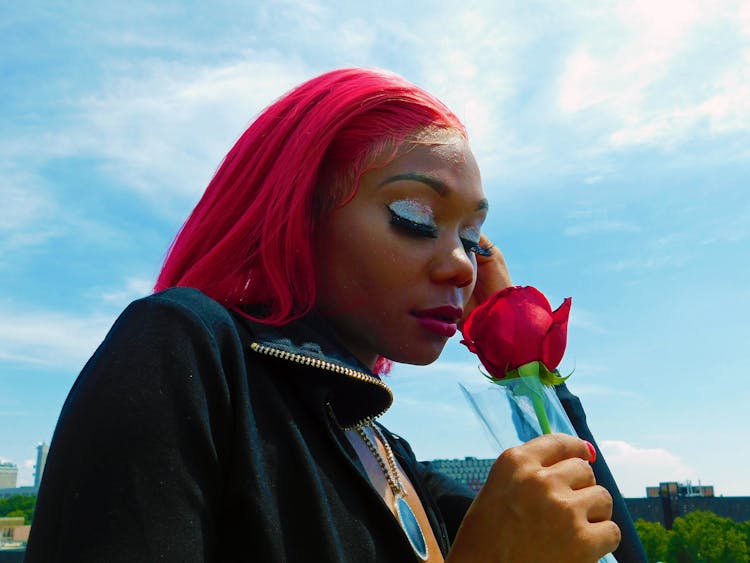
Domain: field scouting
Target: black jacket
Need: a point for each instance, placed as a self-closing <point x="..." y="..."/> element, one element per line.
<point x="181" y="442"/>
<point x="194" y="435"/>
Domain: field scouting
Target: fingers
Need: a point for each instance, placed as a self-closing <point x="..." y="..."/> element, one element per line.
<point x="544" y="485"/>
<point x="599" y="503"/>
<point x="576" y="472"/>
<point x="492" y="271"/>
<point x="492" y="276"/>
<point x="603" y="537"/>
<point x="553" y="448"/>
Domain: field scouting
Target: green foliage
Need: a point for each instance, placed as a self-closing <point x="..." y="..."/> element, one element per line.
<point x="18" y="505"/>
<point x="704" y="537"/>
<point x="655" y="539"/>
<point x="698" y="537"/>
<point x="744" y="527"/>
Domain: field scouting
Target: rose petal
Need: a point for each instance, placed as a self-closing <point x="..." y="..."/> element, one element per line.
<point x="556" y="340"/>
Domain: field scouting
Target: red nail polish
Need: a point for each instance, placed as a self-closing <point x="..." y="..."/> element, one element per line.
<point x="592" y="451"/>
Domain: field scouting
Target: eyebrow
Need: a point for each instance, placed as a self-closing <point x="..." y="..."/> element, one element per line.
<point x="433" y="183"/>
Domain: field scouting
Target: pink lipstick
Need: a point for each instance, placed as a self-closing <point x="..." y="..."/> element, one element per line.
<point x="440" y="320"/>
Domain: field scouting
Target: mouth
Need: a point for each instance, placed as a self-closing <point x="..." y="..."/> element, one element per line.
<point x="440" y="320"/>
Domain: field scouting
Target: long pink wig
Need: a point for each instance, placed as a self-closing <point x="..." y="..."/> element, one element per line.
<point x="250" y="238"/>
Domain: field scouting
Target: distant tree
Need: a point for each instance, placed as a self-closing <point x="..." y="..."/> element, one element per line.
<point x="744" y="527"/>
<point x="655" y="539"/>
<point x="18" y="505"/>
<point x="704" y="537"/>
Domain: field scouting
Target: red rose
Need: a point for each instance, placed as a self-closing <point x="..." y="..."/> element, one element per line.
<point x="517" y="326"/>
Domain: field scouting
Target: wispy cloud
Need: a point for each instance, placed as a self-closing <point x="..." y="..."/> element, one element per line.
<point x="478" y="79"/>
<point x="734" y="229"/>
<point x="26" y="212"/>
<point x="197" y="111"/>
<point x="49" y="338"/>
<point x="158" y="128"/>
<point x="636" y="468"/>
<point x="643" y="73"/>
<point x="599" y="227"/>
<point x="585" y="320"/>
<point x="647" y="263"/>
<point x="134" y="288"/>
<point x="63" y="339"/>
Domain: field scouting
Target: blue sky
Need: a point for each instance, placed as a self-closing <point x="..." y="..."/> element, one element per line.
<point x="614" y="141"/>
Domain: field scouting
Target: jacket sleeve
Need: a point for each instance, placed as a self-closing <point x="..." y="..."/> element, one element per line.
<point x="630" y="549"/>
<point x="134" y="472"/>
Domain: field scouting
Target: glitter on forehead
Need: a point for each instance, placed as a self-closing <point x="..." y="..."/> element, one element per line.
<point x="413" y="211"/>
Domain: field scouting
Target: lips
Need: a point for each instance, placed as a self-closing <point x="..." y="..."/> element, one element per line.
<point x="440" y="320"/>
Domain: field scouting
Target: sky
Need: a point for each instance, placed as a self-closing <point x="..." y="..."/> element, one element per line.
<point x="614" y="143"/>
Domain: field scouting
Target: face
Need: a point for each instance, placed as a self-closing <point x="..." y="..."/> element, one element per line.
<point x="396" y="264"/>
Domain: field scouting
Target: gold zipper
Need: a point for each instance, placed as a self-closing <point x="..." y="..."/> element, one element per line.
<point x="329" y="366"/>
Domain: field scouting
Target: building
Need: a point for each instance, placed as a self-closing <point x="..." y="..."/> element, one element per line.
<point x="13" y="537"/>
<point x="675" y="489"/>
<point x="671" y="500"/>
<point x="470" y="471"/>
<point x="662" y="504"/>
<point x="41" y="460"/>
<point x="8" y="475"/>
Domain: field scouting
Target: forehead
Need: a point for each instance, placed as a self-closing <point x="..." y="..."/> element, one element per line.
<point x="450" y="161"/>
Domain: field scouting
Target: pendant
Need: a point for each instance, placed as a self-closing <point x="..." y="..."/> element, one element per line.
<point x="411" y="527"/>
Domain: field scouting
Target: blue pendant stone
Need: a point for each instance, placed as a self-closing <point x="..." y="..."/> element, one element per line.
<point x="411" y="526"/>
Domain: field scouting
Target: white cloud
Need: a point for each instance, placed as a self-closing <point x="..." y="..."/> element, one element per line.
<point x="26" y="472"/>
<point x="600" y="226"/>
<point x="475" y="78"/>
<point x="730" y="230"/>
<point x="158" y="128"/>
<point x="134" y="289"/>
<point x="49" y="338"/>
<point x="659" y="72"/>
<point x="53" y="338"/>
<point x="166" y="130"/>
<point x="636" y="468"/>
<point x="583" y="319"/>
<point x="647" y="263"/>
<point x="26" y="212"/>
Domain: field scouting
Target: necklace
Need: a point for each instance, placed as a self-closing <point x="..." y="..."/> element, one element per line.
<point x="405" y="515"/>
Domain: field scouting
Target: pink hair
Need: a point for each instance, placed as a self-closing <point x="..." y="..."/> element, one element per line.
<point x="249" y="239"/>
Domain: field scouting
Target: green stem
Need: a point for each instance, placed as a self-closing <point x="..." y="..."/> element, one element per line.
<point x="541" y="414"/>
<point x="531" y="370"/>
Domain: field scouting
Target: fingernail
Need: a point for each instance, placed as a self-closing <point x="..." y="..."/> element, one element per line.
<point x="592" y="451"/>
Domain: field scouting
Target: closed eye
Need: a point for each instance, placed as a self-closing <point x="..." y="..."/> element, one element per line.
<point x="476" y="248"/>
<point x="470" y="240"/>
<point x="412" y="227"/>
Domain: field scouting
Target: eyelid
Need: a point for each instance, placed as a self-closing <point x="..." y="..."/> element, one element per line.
<point x="471" y="234"/>
<point x="418" y="218"/>
<point x="413" y="211"/>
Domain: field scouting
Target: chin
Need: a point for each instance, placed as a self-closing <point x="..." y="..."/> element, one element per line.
<point x="421" y="357"/>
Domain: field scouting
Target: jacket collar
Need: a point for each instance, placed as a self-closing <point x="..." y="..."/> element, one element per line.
<point x="355" y="395"/>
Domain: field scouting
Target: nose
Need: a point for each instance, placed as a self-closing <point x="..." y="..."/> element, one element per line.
<point x="454" y="266"/>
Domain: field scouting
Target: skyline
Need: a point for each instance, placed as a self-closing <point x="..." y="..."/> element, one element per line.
<point x="613" y="140"/>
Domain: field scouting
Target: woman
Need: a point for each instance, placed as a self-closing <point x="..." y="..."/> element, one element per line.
<point x="230" y="416"/>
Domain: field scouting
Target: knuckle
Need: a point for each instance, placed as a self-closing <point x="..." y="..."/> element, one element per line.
<point x="604" y="496"/>
<point x="616" y="533"/>
<point x="512" y="457"/>
<point x="584" y="467"/>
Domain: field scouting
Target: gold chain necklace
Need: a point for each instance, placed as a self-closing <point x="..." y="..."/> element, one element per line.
<point x="405" y="515"/>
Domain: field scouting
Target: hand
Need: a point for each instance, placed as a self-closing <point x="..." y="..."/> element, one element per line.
<point x="492" y="275"/>
<point x="540" y="503"/>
